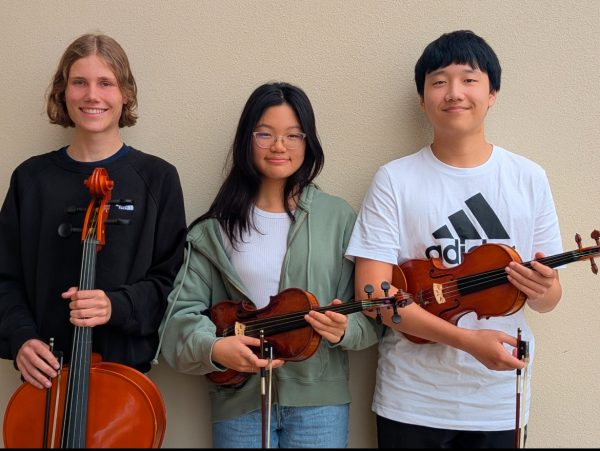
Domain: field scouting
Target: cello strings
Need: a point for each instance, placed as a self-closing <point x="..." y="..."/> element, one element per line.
<point x="73" y="434"/>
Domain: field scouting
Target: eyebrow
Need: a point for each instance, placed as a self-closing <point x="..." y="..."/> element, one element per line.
<point x="272" y="128"/>
<point x="443" y="71"/>
<point x="101" y="78"/>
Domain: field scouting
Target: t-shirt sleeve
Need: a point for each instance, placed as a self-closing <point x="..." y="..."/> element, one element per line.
<point x="376" y="232"/>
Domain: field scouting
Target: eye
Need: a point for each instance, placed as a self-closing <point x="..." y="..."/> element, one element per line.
<point x="294" y="137"/>
<point x="438" y="82"/>
<point x="77" y="82"/>
<point x="263" y="135"/>
<point x="471" y="80"/>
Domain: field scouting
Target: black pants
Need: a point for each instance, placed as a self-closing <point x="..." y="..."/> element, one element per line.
<point x="392" y="434"/>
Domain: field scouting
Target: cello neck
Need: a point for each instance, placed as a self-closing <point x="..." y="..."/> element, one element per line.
<point x="76" y="398"/>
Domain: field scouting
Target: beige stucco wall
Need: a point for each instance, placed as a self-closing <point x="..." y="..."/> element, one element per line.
<point x="196" y="62"/>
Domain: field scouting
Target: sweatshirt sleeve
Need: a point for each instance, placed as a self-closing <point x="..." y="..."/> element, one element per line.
<point x="17" y="324"/>
<point x="138" y="308"/>
<point x="361" y="332"/>
<point x="187" y="334"/>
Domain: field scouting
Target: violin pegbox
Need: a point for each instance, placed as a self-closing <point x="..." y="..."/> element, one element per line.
<point x="400" y="299"/>
<point x="595" y="235"/>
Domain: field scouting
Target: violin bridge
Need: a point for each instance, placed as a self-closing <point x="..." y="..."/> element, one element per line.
<point x="438" y="293"/>
<point x="239" y="328"/>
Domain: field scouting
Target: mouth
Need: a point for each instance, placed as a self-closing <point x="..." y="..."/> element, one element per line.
<point x="93" y="110"/>
<point x="455" y="108"/>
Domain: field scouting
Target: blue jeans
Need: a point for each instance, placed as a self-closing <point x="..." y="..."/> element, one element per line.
<point x="291" y="427"/>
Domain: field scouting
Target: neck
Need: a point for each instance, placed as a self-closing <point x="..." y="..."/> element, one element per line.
<point x="463" y="152"/>
<point x="270" y="196"/>
<point x="94" y="148"/>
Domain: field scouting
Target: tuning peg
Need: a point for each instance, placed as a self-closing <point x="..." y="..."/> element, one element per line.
<point x="65" y="230"/>
<point x="596" y="237"/>
<point x="385" y="286"/>
<point x="378" y="316"/>
<point x="369" y="290"/>
<point x="395" y="317"/>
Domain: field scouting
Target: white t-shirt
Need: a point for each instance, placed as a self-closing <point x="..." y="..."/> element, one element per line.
<point x="417" y="208"/>
<point x="259" y="256"/>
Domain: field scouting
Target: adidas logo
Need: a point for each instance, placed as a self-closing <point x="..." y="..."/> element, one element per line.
<point x="465" y="230"/>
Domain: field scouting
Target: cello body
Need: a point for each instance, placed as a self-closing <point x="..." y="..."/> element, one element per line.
<point x="126" y="410"/>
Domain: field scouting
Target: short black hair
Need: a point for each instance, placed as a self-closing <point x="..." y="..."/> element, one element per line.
<point x="458" y="47"/>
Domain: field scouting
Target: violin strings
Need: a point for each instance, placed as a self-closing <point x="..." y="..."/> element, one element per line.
<point x="476" y="281"/>
<point x="290" y="320"/>
<point x="495" y="277"/>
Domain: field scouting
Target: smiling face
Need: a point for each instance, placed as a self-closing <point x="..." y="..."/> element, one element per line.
<point x="277" y="163"/>
<point x="93" y="97"/>
<point x="456" y="99"/>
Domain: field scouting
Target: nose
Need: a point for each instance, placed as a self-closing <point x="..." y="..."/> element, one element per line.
<point x="454" y="92"/>
<point x="91" y="92"/>
<point x="278" y="144"/>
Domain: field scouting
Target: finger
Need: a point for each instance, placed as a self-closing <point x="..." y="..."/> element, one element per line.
<point x="542" y="269"/>
<point x="37" y="383"/>
<point x="70" y="292"/>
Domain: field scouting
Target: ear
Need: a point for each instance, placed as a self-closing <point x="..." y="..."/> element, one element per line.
<point x="422" y="103"/>
<point x="492" y="98"/>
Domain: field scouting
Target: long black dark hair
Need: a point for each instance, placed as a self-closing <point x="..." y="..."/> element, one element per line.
<point x="232" y="206"/>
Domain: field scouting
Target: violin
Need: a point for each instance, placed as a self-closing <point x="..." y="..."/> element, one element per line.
<point x="91" y="403"/>
<point x="282" y="322"/>
<point x="479" y="284"/>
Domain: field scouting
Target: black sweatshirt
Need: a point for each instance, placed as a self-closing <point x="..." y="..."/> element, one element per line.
<point x="136" y="266"/>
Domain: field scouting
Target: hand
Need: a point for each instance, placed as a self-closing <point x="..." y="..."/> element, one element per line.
<point x="234" y="352"/>
<point x="89" y="308"/>
<point x="539" y="283"/>
<point x="487" y="346"/>
<point x="36" y="363"/>
<point x="330" y="325"/>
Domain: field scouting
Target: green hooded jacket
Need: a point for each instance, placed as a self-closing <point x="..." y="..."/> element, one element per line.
<point x="314" y="261"/>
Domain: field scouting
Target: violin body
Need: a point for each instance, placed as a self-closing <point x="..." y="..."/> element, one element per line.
<point x="450" y="294"/>
<point x="479" y="284"/>
<point x="294" y="345"/>
<point x="126" y="410"/>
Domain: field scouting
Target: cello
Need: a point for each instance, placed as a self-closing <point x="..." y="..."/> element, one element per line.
<point x="479" y="284"/>
<point x="98" y="404"/>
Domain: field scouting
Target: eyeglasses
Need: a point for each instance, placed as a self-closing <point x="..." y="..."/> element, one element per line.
<point x="264" y="140"/>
